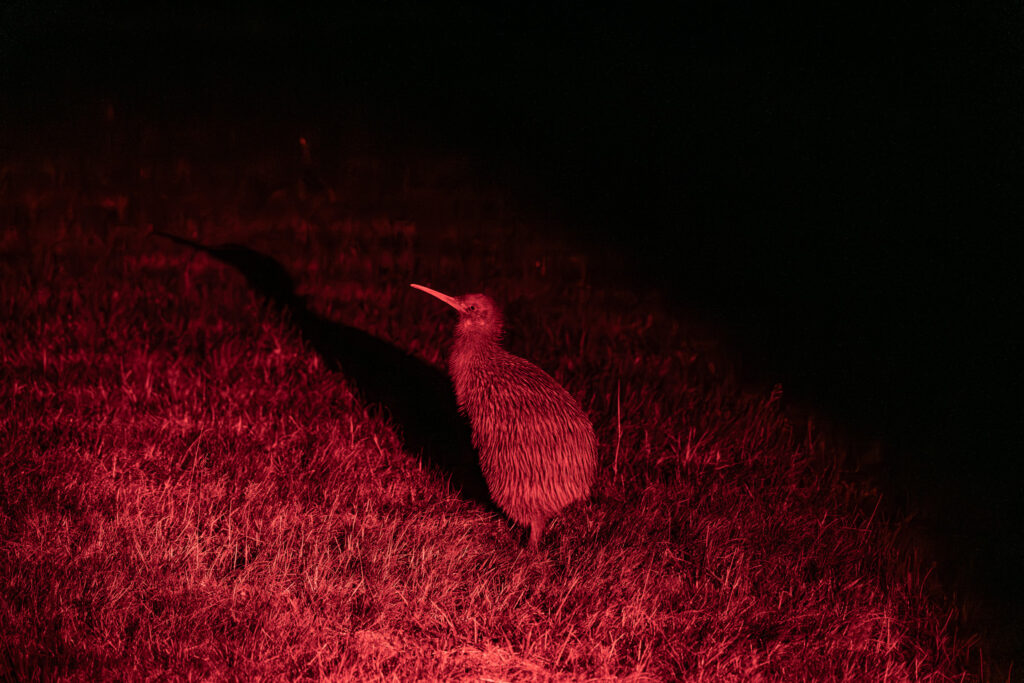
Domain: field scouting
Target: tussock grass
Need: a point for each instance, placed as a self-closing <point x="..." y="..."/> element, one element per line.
<point x="188" y="489"/>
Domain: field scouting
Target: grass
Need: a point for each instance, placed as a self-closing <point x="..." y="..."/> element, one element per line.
<point x="191" y="490"/>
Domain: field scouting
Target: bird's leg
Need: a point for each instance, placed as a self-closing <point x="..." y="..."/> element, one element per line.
<point x="536" y="531"/>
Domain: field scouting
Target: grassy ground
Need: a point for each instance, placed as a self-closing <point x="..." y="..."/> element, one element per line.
<point x="193" y="484"/>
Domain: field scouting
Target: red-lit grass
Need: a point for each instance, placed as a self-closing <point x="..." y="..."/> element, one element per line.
<point x="188" y="490"/>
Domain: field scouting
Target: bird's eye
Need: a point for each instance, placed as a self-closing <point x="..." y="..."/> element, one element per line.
<point x="471" y="307"/>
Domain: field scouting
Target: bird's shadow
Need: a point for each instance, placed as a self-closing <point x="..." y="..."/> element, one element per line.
<point x="416" y="395"/>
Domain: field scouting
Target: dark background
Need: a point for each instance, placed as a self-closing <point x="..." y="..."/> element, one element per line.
<point x="837" y="188"/>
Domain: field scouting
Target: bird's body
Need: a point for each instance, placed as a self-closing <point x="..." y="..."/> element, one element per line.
<point x="536" y="445"/>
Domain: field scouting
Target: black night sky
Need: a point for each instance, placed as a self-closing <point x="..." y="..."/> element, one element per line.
<point x="835" y="187"/>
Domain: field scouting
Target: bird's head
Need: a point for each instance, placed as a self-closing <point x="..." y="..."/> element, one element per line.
<point x="478" y="314"/>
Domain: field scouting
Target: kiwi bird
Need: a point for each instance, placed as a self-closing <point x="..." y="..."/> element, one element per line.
<point x="536" y="446"/>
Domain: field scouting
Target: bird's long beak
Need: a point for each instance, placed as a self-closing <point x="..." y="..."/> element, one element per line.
<point x="450" y="300"/>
